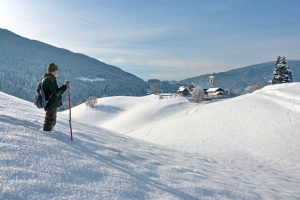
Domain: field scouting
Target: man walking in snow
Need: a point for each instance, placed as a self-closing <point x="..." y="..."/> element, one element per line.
<point x="53" y="95"/>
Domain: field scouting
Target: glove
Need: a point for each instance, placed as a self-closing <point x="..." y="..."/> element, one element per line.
<point x="67" y="83"/>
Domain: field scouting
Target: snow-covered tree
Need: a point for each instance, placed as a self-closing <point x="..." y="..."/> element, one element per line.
<point x="197" y="94"/>
<point x="282" y="72"/>
<point x="91" y="102"/>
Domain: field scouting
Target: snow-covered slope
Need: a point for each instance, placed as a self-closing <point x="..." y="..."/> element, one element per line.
<point x="24" y="61"/>
<point x="100" y="164"/>
<point x="263" y="124"/>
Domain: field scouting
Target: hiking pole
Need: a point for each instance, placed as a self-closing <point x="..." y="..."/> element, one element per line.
<point x="69" y="99"/>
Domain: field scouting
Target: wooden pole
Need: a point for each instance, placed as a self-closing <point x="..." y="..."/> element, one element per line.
<point x="70" y="116"/>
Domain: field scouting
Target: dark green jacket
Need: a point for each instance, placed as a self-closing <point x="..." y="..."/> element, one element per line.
<point x="52" y="91"/>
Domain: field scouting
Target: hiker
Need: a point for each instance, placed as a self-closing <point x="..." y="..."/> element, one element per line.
<point x="53" y="95"/>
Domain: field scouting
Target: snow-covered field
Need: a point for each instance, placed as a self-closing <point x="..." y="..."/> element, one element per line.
<point x="242" y="148"/>
<point x="264" y="124"/>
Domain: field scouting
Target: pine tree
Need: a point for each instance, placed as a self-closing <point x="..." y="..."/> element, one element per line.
<point x="287" y="78"/>
<point x="282" y="72"/>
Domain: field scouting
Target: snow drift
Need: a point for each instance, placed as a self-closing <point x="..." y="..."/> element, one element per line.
<point x="264" y="124"/>
<point x="101" y="164"/>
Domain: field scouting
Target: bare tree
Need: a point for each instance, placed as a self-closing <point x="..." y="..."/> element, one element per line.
<point x="154" y="88"/>
<point x="197" y="94"/>
<point x="252" y="88"/>
<point x="91" y="102"/>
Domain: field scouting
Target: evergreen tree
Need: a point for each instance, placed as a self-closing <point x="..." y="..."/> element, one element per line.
<point x="288" y="72"/>
<point x="282" y="72"/>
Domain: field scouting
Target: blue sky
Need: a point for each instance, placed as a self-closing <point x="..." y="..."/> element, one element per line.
<point x="165" y="39"/>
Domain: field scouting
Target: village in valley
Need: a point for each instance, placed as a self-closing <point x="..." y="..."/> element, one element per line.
<point x="207" y="94"/>
<point x="282" y="73"/>
<point x="193" y="92"/>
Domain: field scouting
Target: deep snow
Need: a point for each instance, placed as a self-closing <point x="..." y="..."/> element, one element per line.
<point x="264" y="124"/>
<point x="102" y="164"/>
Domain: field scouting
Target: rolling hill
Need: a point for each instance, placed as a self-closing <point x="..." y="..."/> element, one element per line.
<point x="102" y="164"/>
<point x="264" y="123"/>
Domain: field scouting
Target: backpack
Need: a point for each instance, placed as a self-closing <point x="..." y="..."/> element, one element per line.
<point x="40" y="97"/>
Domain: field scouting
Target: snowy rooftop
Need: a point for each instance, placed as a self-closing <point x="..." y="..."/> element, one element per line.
<point x="181" y="88"/>
<point x="214" y="89"/>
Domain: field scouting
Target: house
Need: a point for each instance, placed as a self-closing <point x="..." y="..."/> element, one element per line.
<point x="215" y="92"/>
<point x="183" y="91"/>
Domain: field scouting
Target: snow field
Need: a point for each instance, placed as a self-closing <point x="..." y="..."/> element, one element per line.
<point x="103" y="164"/>
<point x="264" y="124"/>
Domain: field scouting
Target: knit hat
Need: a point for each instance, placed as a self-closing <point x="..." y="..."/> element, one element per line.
<point x="52" y="67"/>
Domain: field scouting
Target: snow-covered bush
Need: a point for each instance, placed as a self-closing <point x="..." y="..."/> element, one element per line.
<point x="91" y="102"/>
<point x="252" y="88"/>
<point x="197" y="94"/>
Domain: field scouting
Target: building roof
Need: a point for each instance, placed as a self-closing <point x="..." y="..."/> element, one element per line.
<point x="181" y="89"/>
<point x="214" y="89"/>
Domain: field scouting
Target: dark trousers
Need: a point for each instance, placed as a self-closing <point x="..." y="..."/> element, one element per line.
<point x="50" y="119"/>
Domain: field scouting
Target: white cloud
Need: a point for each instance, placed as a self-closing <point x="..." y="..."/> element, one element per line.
<point x="167" y="62"/>
<point x="167" y="69"/>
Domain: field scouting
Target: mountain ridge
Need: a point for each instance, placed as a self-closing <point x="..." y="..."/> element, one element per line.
<point x="20" y="53"/>
<point x="24" y="60"/>
<point x="242" y="77"/>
